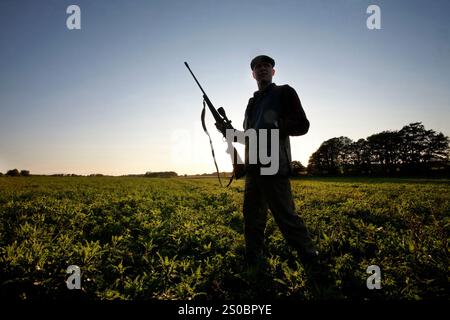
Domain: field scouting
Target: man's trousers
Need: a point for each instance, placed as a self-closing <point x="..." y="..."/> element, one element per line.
<point x="274" y="193"/>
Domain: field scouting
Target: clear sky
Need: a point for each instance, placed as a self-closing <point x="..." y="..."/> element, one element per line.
<point x="115" y="97"/>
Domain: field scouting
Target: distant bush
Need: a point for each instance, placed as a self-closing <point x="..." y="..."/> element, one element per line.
<point x="25" y="173"/>
<point x="165" y="174"/>
<point x="13" y="173"/>
<point x="16" y="173"/>
<point x="298" y="169"/>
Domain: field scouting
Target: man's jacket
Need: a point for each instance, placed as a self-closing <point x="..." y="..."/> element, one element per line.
<point x="276" y="107"/>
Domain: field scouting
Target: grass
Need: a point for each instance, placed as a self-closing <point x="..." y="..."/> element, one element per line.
<point x="140" y="238"/>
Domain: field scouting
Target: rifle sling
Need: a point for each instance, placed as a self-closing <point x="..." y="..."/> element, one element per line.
<point x="212" y="148"/>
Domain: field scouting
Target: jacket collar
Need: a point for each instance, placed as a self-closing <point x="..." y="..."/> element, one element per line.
<point x="262" y="92"/>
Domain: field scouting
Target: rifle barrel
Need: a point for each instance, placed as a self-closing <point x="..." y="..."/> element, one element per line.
<point x="198" y="83"/>
<point x="213" y="110"/>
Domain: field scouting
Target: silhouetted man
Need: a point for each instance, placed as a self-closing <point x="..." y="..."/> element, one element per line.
<point x="273" y="107"/>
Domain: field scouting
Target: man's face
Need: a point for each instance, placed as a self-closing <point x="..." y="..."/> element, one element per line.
<point x="263" y="72"/>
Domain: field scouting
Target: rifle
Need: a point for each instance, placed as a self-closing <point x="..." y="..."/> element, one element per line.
<point x="222" y="119"/>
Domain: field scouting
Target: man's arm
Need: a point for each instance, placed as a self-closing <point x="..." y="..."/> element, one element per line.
<point x="293" y="121"/>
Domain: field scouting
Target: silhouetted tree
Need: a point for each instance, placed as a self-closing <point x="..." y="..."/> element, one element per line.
<point x="412" y="150"/>
<point x="437" y="149"/>
<point x="331" y="157"/>
<point x="13" y="173"/>
<point x="384" y="151"/>
<point x="25" y="173"/>
<point x="359" y="158"/>
<point x="297" y="168"/>
<point x="421" y="148"/>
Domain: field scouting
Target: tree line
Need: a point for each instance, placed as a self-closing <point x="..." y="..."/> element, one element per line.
<point x="163" y="174"/>
<point x="16" y="173"/>
<point x="410" y="151"/>
<point x="149" y="174"/>
<point x="413" y="150"/>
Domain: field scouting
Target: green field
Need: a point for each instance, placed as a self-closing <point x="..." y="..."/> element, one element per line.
<point x="142" y="238"/>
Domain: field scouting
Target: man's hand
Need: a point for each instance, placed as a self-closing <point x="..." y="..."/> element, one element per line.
<point x="239" y="170"/>
<point x="221" y="128"/>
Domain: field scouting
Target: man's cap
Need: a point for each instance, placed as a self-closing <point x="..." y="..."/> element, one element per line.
<point x="260" y="59"/>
